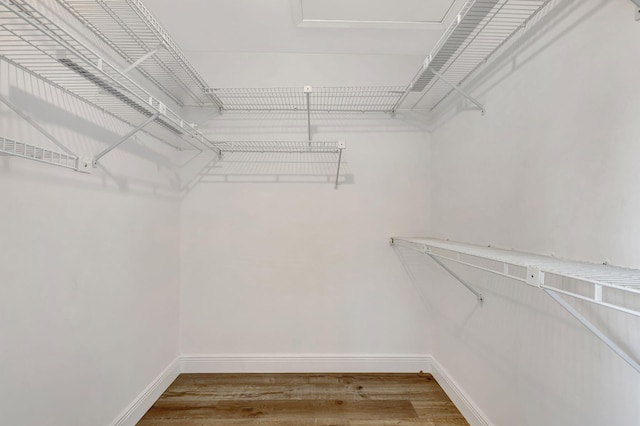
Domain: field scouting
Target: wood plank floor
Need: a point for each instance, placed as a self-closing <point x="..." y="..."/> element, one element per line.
<point x="303" y="400"/>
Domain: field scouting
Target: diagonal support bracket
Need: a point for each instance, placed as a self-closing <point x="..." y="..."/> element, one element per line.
<point x="458" y="89"/>
<point x="341" y="146"/>
<point x="457" y="277"/>
<point x="142" y="59"/>
<point x="427" y="250"/>
<point x="307" y="91"/>
<point x="124" y="138"/>
<point x="593" y="329"/>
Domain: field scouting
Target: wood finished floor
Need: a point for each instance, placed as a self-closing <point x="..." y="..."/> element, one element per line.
<point x="303" y="400"/>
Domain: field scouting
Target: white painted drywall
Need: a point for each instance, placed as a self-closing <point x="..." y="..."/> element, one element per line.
<point x="88" y="266"/>
<point x="302" y="268"/>
<point x="551" y="167"/>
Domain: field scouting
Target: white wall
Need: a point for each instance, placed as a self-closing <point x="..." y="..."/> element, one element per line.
<point x="300" y="268"/>
<point x="88" y="263"/>
<point x="551" y="167"/>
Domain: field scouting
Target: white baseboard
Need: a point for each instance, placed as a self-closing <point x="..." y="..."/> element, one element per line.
<point x="134" y="412"/>
<point x="301" y="364"/>
<point x="304" y="363"/>
<point x="460" y="399"/>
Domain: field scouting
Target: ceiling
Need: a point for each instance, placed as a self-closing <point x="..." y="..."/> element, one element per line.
<point x="389" y="27"/>
<point x="272" y="43"/>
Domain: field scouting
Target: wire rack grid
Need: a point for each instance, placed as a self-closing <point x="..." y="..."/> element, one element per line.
<point x="20" y="149"/>
<point x="280" y="146"/>
<point x="32" y="41"/>
<point x="320" y="99"/>
<point x="129" y="28"/>
<point x="480" y="29"/>
<point x="610" y="277"/>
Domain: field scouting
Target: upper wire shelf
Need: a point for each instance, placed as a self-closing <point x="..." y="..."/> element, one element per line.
<point x="479" y="30"/>
<point x="130" y="29"/>
<point x="316" y="99"/>
<point x="35" y="43"/>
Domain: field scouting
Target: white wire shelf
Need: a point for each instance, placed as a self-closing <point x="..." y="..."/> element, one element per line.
<point x="285" y="147"/>
<point x="320" y="99"/>
<point x="32" y="41"/>
<point x="603" y="281"/>
<point x="607" y="286"/>
<point x="130" y="29"/>
<point x="42" y="155"/>
<point x="480" y="29"/>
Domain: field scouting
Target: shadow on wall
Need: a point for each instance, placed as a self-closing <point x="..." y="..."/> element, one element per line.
<point x="514" y="54"/>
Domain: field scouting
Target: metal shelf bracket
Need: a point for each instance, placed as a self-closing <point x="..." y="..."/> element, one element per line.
<point x="458" y="89"/>
<point x="124" y="138"/>
<point x="427" y="250"/>
<point x="594" y="330"/>
<point x="307" y="91"/>
<point x="142" y="59"/>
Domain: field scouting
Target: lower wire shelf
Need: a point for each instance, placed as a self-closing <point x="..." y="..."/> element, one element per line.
<point x="280" y="146"/>
<point x="31" y="152"/>
<point x="286" y="147"/>
<point x="608" y="286"/>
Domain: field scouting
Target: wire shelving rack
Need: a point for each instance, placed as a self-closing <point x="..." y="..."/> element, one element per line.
<point x="479" y="30"/>
<point x="32" y="41"/>
<point x="129" y="28"/>
<point x="608" y="286"/>
<point x="311" y="99"/>
<point x="32" y="152"/>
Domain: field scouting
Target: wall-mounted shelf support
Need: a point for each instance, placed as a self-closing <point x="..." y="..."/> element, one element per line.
<point x="457" y="277"/>
<point x="599" y="284"/>
<point x="427" y="251"/>
<point x="458" y="89"/>
<point x="142" y="59"/>
<point x="286" y="147"/>
<point x="341" y="145"/>
<point x="593" y="329"/>
<point x="124" y="138"/>
<point x="307" y="91"/>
